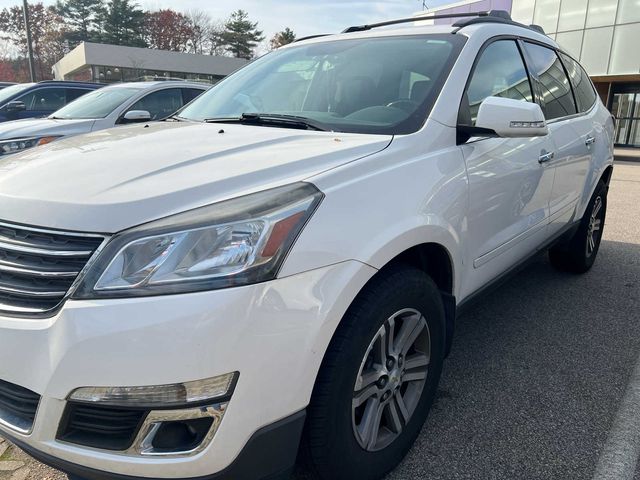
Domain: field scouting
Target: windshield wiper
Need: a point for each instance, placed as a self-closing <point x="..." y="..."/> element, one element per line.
<point x="275" y="119"/>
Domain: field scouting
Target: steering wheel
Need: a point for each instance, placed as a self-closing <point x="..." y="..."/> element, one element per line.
<point x="407" y="105"/>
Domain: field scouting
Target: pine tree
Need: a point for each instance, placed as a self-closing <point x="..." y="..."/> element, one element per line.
<point x="241" y="36"/>
<point x="80" y="18"/>
<point x="285" y="37"/>
<point x="122" y="23"/>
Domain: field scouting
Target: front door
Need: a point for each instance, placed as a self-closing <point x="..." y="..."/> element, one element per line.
<point x="509" y="189"/>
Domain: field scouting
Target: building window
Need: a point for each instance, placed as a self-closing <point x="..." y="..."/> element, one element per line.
<point x="572" y="15"/>
<point x="546" y="14"/>
<point x="602" y="13"/>
<point x="595" y="50"/>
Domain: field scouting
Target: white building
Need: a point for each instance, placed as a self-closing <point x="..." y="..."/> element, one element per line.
<point x="113" y="63"/>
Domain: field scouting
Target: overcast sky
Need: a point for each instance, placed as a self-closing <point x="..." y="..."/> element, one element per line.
<point x="305" y="17"/>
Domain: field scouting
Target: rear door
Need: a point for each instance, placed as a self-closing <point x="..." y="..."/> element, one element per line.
<point x="509" y="189"/>
<point x="589" y="129"/>
<point x="569" y="131"/>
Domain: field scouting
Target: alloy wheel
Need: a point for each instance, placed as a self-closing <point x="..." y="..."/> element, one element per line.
<point x="595" y="226"/>
<point x="391" y="379"/>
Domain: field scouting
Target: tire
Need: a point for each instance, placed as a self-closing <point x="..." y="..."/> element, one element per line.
<point x="579" y="254"/>
<point x="335" y="444"/>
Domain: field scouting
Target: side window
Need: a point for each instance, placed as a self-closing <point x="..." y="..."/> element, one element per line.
<point x="189" y="94"/>
<point x="499" y="72"/>
<point x="557" y="97"/>
<point x="160" y="104"/>
<point x="73" y="93"/>
<point x="44" y="99"/>
<point x="582" y="86"/>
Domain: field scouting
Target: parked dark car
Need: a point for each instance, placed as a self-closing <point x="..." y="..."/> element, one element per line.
<point x="6" y="84"/>
<point x="32" y="100"/>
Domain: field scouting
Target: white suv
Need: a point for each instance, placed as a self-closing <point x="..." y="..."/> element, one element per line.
<point x="280" y="269"/>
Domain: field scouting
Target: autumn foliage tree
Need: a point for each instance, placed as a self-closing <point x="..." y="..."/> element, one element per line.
<point x="168" y="30"/>
<point x="46" y="30"/>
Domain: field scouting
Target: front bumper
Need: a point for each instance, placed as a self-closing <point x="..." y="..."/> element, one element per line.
<point x="275" y="334"/>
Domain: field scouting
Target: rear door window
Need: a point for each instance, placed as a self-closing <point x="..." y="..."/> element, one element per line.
<point x="189" y="94"/>
<point x="73" y="93"/>
<point x="582" y="86"/>
<point x="555" y="89"/>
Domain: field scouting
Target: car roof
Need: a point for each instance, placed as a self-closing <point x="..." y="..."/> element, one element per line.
<point x="482" y="26"/>
<point x="160" y="83"/>
<point x="69" y="83"/>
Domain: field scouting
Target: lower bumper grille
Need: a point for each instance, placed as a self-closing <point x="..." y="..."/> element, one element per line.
<point x="100" y="427"/>
<point x="18" y="407"/>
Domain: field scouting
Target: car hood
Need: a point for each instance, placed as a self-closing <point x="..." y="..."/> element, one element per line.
<point x="114" y="179"/>
<point x="43" y="127"/>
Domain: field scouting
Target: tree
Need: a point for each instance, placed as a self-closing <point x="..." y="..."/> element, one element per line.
<point x="168" y="30"/>
<point x="201" y="26"/>
<point x="6" y="71"/>
<point x="216" y="41"/>
<point x="121" y="23"/>
<point x="81" y="19"/>
<point x="46" y="30"/>
<point x="241" y="36"/>
<point x="282" y="38"/>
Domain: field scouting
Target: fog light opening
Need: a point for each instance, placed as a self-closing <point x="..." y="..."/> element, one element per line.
<point x="181" y="436"/>
<point x="178" y="432"/>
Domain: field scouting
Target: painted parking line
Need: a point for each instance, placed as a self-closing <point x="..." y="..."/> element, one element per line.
<point x="619" y="458"/>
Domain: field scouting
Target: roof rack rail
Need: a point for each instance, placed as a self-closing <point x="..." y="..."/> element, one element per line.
<point x="490" y="13"/>
<point x="499" y="16"/>
<point x="537" y="28"/>
<point x="309" y="37"/>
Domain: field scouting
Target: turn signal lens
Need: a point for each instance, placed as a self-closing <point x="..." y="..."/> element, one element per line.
<point x="158" y="396"/>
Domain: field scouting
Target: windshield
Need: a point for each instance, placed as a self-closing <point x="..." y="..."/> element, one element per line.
<point x="97" y="104"/>
<point x="9" y="92"/>
<point x="384" y="85"/>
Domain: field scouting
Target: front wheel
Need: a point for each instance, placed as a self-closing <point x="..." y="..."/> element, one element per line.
<point x="580" y="253"/>
<point x="378" y="379"/>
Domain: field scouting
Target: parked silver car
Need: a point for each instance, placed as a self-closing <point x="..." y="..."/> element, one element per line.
<point x="105" y="108"/>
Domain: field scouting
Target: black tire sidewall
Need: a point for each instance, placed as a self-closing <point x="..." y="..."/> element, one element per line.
<point x="338" y="455"/>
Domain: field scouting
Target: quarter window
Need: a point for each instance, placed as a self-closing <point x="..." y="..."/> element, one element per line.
<point x="582" y="86"/>
<point x="500" y="72"/>
<point x="557" y="98"/>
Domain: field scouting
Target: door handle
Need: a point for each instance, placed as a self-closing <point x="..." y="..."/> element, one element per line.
<point x="545" y="157"/>
<point x="590" y="140"/>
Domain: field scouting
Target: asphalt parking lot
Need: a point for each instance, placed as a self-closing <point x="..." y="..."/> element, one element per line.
<point x="538" y="383"/>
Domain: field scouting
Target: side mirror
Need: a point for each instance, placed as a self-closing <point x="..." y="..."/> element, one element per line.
<point x="137" y="116"/>
<point x="15" y="106"/>
<point x="511" y="118"/>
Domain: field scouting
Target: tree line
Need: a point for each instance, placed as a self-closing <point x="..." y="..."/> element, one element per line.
<point x="59" y="28"/>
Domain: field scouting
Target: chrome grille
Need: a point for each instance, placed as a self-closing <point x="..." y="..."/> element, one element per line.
<point x="38" y="267"/>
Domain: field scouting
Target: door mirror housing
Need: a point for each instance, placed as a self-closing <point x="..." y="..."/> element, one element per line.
<point x="137" y="116"/>
<point x="511" y="118"/>
<point x="15" y="106"/>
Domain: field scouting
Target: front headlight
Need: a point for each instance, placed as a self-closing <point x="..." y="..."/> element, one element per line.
<point x="232" y="243"/>
<point x="19" y="144"/>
